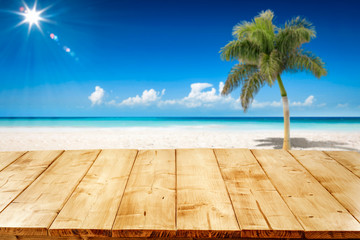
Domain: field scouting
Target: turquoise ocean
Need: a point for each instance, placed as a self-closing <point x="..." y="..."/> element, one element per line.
<point x="225" y="123"/>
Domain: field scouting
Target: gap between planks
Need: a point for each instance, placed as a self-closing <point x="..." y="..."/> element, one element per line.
<point x="227" y="190"/>
<point x="256" y="199"/>
<point x="297" y="219"/>
<point x="145" y="210"/>
<point x="29" y="184"/>
<point x="42" y="206"/>
<point x="9" y="162"/>
<point x="345" y="178"/>
<point x="48" y="229"/>
<point x="127" y="181"/>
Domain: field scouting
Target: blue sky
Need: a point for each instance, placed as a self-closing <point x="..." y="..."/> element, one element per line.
<point x="161" y="58"/>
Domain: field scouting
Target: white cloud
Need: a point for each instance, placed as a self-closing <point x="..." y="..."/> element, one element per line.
<point x="342" y="105"/>
<point x="308" y="102"/>
<point x="221" y="87"/>
<point x="112" y="102"/>
<point x="200" y="96"/>
<point x="167" y="102"/>
<point x="97" y="96"/>
<point x="148" y="97"/>
<point x="256" y="104"/>
<point x="205" y="95"/>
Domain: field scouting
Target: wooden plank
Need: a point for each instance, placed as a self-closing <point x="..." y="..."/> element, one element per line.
<point x="204" y="208"/>
<point x="337" y="179"/>
<point x="33" y="211"/>
<point x="260" y="210"/>
<point x="92" y="207"/>
<point x="6" y="158"/>
<point x="21" y="173"/>
<point x="321" y="215"/>
<point x="51" y="238"/>
<point x="92" y="238"/>
<point x="351" y="160"/>
<point x="148" y="206"/>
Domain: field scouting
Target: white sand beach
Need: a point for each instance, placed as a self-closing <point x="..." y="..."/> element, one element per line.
<point x="45" y="138"/>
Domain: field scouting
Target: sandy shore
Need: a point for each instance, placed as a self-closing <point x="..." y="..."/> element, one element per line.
<point x="36" y="138"/>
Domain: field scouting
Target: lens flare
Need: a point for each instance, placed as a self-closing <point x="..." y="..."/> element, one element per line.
<point x="66" y="49"/>
<point x="33" y="16"/>
<point x="54" y="37"/>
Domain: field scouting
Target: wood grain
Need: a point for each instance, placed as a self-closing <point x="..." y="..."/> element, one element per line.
<point x="51" y="238"/>
<point x="350" y="160"/>
<point x="13" y="182"/>
<point x="321" y="215"/>
<point x="56" y="238"/>
<point x="338" y="180"/>
<point x="91" y="209"/>
<point x="148" y="206"/>
<point x="203" y="205"/>
<point x="32" y="212"/>
<point x="183" y="194"/>
<point x="260" y="210"/>
<point x="108" y="238"/>
<point x="6" y="158"/>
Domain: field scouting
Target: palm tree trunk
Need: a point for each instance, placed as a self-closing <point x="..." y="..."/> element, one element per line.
<point x="286" y="143"/>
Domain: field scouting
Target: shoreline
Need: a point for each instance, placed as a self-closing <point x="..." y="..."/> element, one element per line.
<point x="52" y="138"/>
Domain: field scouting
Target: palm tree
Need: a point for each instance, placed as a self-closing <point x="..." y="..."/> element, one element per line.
<point x="264" y="52"/>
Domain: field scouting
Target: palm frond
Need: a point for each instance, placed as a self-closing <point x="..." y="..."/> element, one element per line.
<point x="298" y="22"/>
<point x="306" y="61"/>
<point x="260" y="31"/>
<point x="250" y="88"/>
<point x="243" y="29"/>
<point x="245" y="51"/>
<point x="265" y="21"/>
<point x="270" y="66"/>
<point x="265" y="32"/>
<point x="268" y="14"/>
<point x="295" y="33"/>
<point x="263" y="38"/>
<point x="237" y="75"/>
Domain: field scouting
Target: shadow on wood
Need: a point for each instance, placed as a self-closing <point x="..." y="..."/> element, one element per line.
<point x="304" y="143"/>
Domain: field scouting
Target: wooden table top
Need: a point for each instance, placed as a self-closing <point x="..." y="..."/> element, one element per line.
<point x="182" y="193"/>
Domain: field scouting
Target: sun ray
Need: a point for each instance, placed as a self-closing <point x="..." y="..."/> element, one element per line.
<point x="32" y="16"/>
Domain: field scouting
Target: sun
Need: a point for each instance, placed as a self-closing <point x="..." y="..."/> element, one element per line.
<point x="31" y="16"/>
